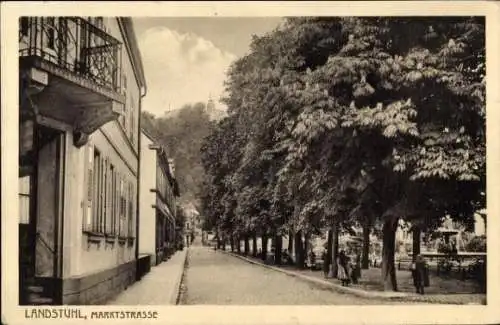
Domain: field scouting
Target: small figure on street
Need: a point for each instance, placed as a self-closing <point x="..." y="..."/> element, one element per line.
<point x="420" y="274"/>
<point x="356" y="268"/>
<point x="287" y="259"/>
<point x="343" y="268"/>
<point x="312" y="259"/>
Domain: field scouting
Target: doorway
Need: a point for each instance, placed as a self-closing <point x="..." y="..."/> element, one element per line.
<point x="40" y="205"/>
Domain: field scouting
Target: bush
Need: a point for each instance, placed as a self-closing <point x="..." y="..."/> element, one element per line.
<point x="476" y="244"/>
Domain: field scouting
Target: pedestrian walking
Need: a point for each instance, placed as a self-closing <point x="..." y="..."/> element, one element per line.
<point x="420" y="274"/>
<point x="343" y="268"/>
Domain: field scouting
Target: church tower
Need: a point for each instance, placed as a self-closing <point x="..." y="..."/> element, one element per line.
<point x="214" y="113"/>
<point x="210" y="106"/>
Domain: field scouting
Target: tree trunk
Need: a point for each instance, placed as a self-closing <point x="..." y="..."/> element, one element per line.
<point x="388" y="248"/>
<point x="334" y="250"/>
<point x="264" y="247"/>
<point x="224" y="243"/>
<point x="366" y="246"/>
<point x="416" y="242"/>
<point x="238" y="245"/>
<point x="231" y="242"/>
<point x="290" y="242"/>
<point x="247" y="246"/>
<point x="277" y="250"/>
<point x="328" y="256"/>
<point x="254" y="245"/>
<point x="299" y="250"/>
<point x="218" y="243"/>
<point x="306" y="244"/>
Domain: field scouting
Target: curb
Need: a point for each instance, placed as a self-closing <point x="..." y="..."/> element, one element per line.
<point x="389" y="296"/>
<point x="330" y="285"/>
<point x="177" y="284"/>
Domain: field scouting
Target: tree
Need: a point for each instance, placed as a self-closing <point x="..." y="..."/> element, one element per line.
<point x="182" y="135"/>
<point x="405" y="91"/>
<point x="380" y="88"/>
<point x="383" y="116"/>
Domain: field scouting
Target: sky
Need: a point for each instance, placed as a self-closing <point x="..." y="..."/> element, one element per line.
<point x="186" y="59"/>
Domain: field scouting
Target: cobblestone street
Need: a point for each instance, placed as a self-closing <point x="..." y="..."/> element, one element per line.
<point x="217" y="278"/>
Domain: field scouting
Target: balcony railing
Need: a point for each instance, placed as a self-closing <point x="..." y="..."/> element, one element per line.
<point x="75" y="45"/>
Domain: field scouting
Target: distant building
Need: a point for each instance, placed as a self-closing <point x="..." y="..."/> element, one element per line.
<point x="213" y="112"/>
<point x="158" y="196"/>
<point x="192" y="224"/>
<point x="210" y="106"/>
<point x="479" y="224"/>
<point x="81" y="84"/>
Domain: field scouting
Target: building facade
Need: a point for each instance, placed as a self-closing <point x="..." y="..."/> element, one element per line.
<point x="81" y="86"/>
<point x="158" y="196"/>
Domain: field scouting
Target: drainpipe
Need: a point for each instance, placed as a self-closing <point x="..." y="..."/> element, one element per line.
<point x="137" y="204"/>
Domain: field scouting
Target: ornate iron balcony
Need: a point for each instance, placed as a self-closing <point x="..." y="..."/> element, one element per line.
<point x="75" y="45"/>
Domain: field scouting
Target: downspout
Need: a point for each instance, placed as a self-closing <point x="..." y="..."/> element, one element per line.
<point x="137" y="204"/>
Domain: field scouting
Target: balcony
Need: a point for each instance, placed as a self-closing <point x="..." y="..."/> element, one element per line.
<point x="71" y="71"/>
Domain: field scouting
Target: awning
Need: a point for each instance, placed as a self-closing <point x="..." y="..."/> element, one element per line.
<point x="163" y="208"/>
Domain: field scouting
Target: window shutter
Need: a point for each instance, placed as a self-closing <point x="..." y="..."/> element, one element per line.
<point x="122" y="207"/>
<point x="116" y="203"/>
<point x="131" y="210"/>
<point x="106" y="196"/>
<point x="90" y="186"/>
<point x="99" y="195"/>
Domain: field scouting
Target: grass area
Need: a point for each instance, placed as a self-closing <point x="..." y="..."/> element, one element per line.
<point x="371" y="280"/>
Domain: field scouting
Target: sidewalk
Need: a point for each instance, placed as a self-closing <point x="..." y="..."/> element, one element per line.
<point x="159" y="287"/>
<point x="318" y="278"/>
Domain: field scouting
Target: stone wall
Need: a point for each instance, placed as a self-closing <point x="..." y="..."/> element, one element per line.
<point x="99" y="287"/>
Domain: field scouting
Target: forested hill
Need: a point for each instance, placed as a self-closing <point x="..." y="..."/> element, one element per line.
<point x="182" y="135"/>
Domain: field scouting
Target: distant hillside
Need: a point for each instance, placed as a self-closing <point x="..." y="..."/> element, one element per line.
<point x="181" y="132"/>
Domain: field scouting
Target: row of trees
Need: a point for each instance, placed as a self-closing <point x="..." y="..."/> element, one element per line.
<point x="341" y="121"/>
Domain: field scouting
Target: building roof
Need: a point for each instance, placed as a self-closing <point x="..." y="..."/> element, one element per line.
<point x="147" y="134"/>
<point x="127" y="27"/>
<point x="165" y="161"/>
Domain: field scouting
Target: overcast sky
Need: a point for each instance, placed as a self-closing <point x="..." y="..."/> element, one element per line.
<point x="186" y="59"/>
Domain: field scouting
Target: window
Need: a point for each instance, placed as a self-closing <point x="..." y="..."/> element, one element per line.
<point x="51" y="33"/>
<point x="111" y="219"/>
<point x="99" y="22"/>
<point x="121" y="119"/>
<point x="96" y="209"/>
<point x="24" y="26"/>
<point x="124" y="82"/>
<point x="106" y="209"/>
<point x="116" y="205"/>
<point x="97" y="191"/>
<point x="24" y="199"/>
<point x="123" y="209"/>
<point x="87" y="224"/>
<point x="102" y="192"/>
<point x="132" y="125"/>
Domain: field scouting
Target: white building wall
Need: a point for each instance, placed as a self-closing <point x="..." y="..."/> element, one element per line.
<point x="147" y="214"/>
<point x="133" y="91"/>
<point x="73" y="207"/>
<point x="80" y="257"/>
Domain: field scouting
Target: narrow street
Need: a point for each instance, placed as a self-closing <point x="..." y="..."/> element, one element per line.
<point x="218" y="278"/>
